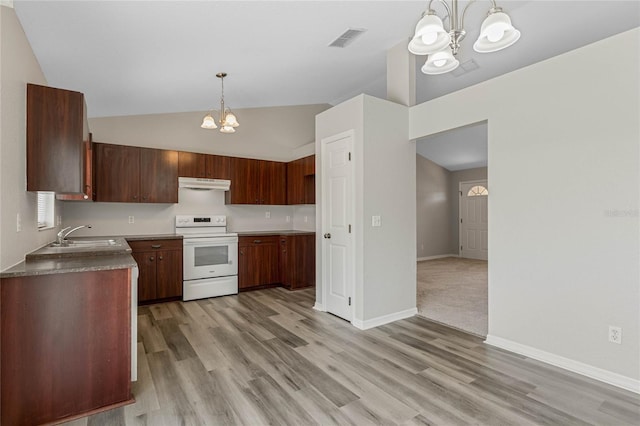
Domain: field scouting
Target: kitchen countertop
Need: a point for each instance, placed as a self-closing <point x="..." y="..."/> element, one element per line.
<point x="69" y="264"/>
<point x="286" y="232"/>
<point x="153" y="237"/>
<point x="59" y="260"/>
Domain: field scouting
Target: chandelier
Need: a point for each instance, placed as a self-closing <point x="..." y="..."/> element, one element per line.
<point x="431" y="38"/>
<point x="228" y="121"/>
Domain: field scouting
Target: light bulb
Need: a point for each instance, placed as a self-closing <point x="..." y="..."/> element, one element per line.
<point x="495" y="33"/>
<point x="439" y="62"/>
<point x="430" y="37"/>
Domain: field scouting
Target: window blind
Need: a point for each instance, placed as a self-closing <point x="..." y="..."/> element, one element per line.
<point x="45" y="209"/>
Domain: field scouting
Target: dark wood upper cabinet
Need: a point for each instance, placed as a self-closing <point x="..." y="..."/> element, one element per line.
<point x="158" y="176"/>
<point x="257" y="182"/>
<point x="132" y="174"/>
<point x="57" y="142"/>
<point x="117" y="173"/>
<point x="301" y="182"/>
<point x="191" y="164"/>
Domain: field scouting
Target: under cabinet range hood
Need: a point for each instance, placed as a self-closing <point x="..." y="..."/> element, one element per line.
<point x="204" y="184"/>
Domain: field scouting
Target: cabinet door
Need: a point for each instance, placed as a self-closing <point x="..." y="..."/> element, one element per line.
<point x="193" y="165"/>
<point x="55" y="133"/>
<point x="304" y="260"/>
<point x="169" y="274"/>
<point x="309" y="165"/>
<point x="218" y="167"/>
<point x="273" y="182"/>
<point x="295" y="188"/>
<point x="117" y="173"/>
<point x="266" y="262"/>
<point x="258" y="263"/>
<point x="158" y="176"/>
<point x="244" y="182"/>
<point x="147" y="275"/>
<point x="284" y="262"/>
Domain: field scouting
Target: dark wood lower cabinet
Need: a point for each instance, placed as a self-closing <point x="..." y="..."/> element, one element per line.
<point x="257" y="262"/>
<point x="287" y="260"/>
<point x="297" y="261"/>
<point x="160" y="266"/>
<point x="65" y="345"/>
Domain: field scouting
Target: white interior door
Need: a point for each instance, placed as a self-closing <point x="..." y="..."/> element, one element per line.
<point x="474" y="222"/>
<point x="337" y="221"/>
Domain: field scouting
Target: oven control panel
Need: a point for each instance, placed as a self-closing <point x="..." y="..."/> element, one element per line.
<point x="190" y="221"/>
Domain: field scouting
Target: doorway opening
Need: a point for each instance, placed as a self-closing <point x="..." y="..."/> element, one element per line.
<point x="452" y="227"/>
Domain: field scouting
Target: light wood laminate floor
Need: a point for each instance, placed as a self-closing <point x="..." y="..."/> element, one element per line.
<point x="266" y="357"/>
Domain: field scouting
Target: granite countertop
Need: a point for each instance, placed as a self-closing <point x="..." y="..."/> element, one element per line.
<point x="59" y="260"/>
<point x="153" y="237"/>
<point x="285" y="232"/>
<point x="69" y="264"/>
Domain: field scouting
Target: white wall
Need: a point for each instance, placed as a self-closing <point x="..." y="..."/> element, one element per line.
<point x="274" y="133"/>
<point x="433" y="209"/>
<point x="113" y="218"/>
<point x="384" y="160"/>
<point x="18" y="66"/>
<point x="389" y="191"/>
<point x="564" y="229"/>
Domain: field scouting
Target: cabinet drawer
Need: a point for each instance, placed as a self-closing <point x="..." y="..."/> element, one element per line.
<point x="151" y="245"/>
<point x="252" y="240"/>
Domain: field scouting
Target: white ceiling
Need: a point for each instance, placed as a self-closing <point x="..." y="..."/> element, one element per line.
<point x="143" y="57"/>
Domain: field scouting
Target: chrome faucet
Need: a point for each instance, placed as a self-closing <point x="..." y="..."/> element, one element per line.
<point x="62" y="236"/>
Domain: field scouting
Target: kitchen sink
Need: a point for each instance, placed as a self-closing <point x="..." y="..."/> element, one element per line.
<point x="86" y="243"/>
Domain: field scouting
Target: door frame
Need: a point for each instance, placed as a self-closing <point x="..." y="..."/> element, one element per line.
<point x="351" y="213"/>
<point x="486" y="185"/>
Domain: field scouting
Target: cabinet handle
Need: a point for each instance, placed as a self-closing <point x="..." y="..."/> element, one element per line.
<point x="160" y="257"/>
<point x="257" y="241"/>
<point x="156" y="246"/>
<point x="152" y="258"/>
<point x="135" y="197"/>
<point x="144" y="197"/>
<point x="241" y="252"/>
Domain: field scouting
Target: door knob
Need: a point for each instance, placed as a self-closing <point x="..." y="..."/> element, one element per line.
<point x="327" y="235"/>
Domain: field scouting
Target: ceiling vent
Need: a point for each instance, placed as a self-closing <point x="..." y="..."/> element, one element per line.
<point x="347" y="37"/>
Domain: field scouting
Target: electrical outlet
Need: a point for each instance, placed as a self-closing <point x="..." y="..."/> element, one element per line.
<point x="306" y="218"/>
<point x="615" y="334"/>
<point x="288" y="218"/>
<point x="375" y="221"/>
<point x="131" y="219"/>
<point x="267" y="215"/>
<point x="59" y="220"/>
<point x="18" y="223"/>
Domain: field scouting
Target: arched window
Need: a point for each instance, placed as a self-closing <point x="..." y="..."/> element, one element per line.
<point x="477" y="191"/>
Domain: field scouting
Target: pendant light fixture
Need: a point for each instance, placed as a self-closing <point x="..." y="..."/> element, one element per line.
<point x="228" y="121"/>
<point x="431" y="38"/>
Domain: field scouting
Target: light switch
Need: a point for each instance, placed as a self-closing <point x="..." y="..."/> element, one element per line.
<point x="375" y="221"/>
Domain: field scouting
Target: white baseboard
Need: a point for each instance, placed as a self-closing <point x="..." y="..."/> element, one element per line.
<point x="596" y="373"/>
<point x="319" y="307"/>
<point x="385" y="319"/>
<point x="440" y="256"/>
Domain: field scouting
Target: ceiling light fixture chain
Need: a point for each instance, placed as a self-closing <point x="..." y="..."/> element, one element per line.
<point x="228" y="120"/>
<point x="441" y="46"/>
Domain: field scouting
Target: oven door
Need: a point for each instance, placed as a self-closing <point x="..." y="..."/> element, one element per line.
<point x="210" y="257"/>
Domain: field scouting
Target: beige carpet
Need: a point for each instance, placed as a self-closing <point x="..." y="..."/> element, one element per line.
<point x="453" y="291"/>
